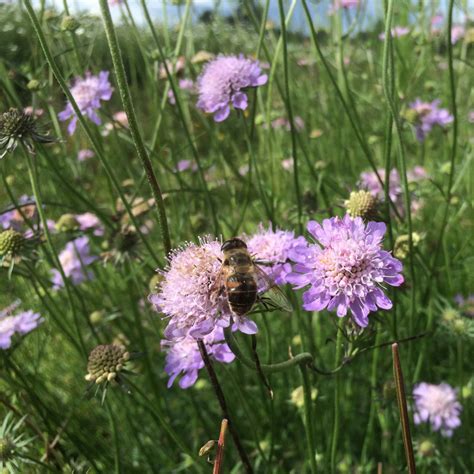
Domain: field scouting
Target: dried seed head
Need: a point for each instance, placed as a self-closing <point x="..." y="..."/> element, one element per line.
<point x="16" y="127"/>
<point x="7" y="449"/>
<point x="67" y="223"/>
<point x="361" y="204"/>
<point x="11" y="242"/>
<point x="105" y="363"/>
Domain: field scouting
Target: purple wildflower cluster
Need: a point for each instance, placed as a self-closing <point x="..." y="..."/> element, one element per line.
<point x="74" y="258"/>
<point x="87" y="92"/>
<point x="346" y="269"/>
<point x="184" y="85"/>
<point x="223" y="82"/>
<point x="396" y="32"/>
<point x="89" y="221"/>
<point x="427" y="115"/>
<point x="21" y="323"/>
<point x="13" y="219"/>
<point x="437" y="405"/>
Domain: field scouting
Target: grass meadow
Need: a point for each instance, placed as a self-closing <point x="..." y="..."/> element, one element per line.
<point x="371" y="118"/>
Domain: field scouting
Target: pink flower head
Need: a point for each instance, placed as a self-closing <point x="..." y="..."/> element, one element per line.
<point x="287" y="163"/>
<point x="183" y="84"/>
<point x="85" y="154"/>
<point x="87" y="92"/>
<point x="284" y="123"/>
<point x="437" y="405"/>
<point x="274" y="248"/>
<point x="457" y="32"/>
<point x="345" y="4"/>
<point x="14" y="218"/>
<point x="223" y="82"/>
<point x="183" y="356"/>
<point x="346" y="269"/>
<point x="89" y="221"/>
<point x="396" y="32"/>
<point x="190" y="296"/>
<point x="74" y="258"/>
<point x="184" y="165"/>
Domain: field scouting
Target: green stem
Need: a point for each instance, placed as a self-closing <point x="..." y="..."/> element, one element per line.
<point x="308" y="414"/>
<point x="337" y="393"/>
<point x="290" y="116"/>
<point x="113" y="424"/>
<point x="39" y="206"/>
<point x="133" y="124"/>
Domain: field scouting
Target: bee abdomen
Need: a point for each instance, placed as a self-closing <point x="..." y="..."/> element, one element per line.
<point x="241" y="293"/>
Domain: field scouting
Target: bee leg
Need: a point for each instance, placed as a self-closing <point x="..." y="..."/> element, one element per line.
<point x="267" y="263"/>
<point x="263" y="303"/>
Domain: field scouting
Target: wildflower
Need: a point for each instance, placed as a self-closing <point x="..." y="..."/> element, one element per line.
<point x="190" y="295"/>
<point x="346" y="269"/>
<point x="466" y="305"/>
<point x="202" y="57"/>
<point x="274" y="248"/>
<point x="89" y="221"/>
<point x="73" y="259"/>
<point x="19" y="127"/>
<point x="33" y="85"/>
<point x="361" y="204"/>
<point x="184" y="165"/>
<point x="85" y="154"/>
<point x="183" y="356"/>
<point x="457" y="32"/>
<point x="21" y="323"/>
<point x="14" y="218"/>
<point x="345" y="4"/>
<point x="87" y="92"/>
<point x="427" y="115"/>
<point x="15" y="246"/>
<point x="120" y="120"/>
<point x="396" y="32"/>
<point x="288" y="163"/>
<point x="177" y="68"/>
<point x="437" y="405"/>
<point x="223" y="82"/>
<point x="183" y="84"/>
<point x="69" y="23"/>
<point x="105" y="363"/>
<point x="283" y="123"/>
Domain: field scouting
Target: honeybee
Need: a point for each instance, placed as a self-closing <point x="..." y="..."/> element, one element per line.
<point x="244" y="283"/>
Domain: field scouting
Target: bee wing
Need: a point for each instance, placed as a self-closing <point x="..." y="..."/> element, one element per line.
<point x="269" y="294"/>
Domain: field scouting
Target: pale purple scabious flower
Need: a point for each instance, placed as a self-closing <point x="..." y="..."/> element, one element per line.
<point x="437" y="405"/>
<point x="183" y="84"/>
<point x="223" y="82"/>
<point x="345" y="4"/>
<point x="190" y="295"/>
<point x="274" y="247"/>
<point x="428" y="114"/>
<point x="74" y="257"/>
<point x="13" y="219"/>
<point x="346" y="269"/>
<point x="89" y="221"/>
<point x="466" y="305"/>
<point x="457" y="32"/>
<point x="183" y="356"/>
<point x="184" y="165"/>
<point x="87" y="92"/>
<point x="21" y="323"/>
<point x="396" y="32"/>
<point x="85" y="154"/>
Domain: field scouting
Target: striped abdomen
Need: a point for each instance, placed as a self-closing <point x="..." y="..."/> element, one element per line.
<point x="241" y="292"/>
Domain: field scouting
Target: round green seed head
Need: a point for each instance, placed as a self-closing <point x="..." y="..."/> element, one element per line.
<point x="361" y="204"/>
<point x="11" y="242"/>
<point x="7" y="448"/>
<point x="34" y="85"/>
<point x="105" y="362"/>
<point x="67" y="223"/>
<point x="69" y="23"/>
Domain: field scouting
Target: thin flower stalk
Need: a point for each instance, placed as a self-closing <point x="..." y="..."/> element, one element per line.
<point x="337" y="401"/>
<point x="220" y="447"/>
<point x="133" y="124"/>
<point x="309" y="422"/>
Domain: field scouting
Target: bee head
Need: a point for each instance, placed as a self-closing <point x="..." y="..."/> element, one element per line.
<point x="232" y="244"/>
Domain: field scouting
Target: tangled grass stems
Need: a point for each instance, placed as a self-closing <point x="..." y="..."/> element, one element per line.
<point x="95" y="144"/>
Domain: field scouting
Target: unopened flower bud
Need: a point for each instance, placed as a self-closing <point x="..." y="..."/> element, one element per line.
<point x="67" y="223"/>
<point x="34" y="85"/>
<point x="96" y="317"/>
<point x="69" y="23"/>
<point x="11" y="242"/>
<point x="426" y="448"/>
